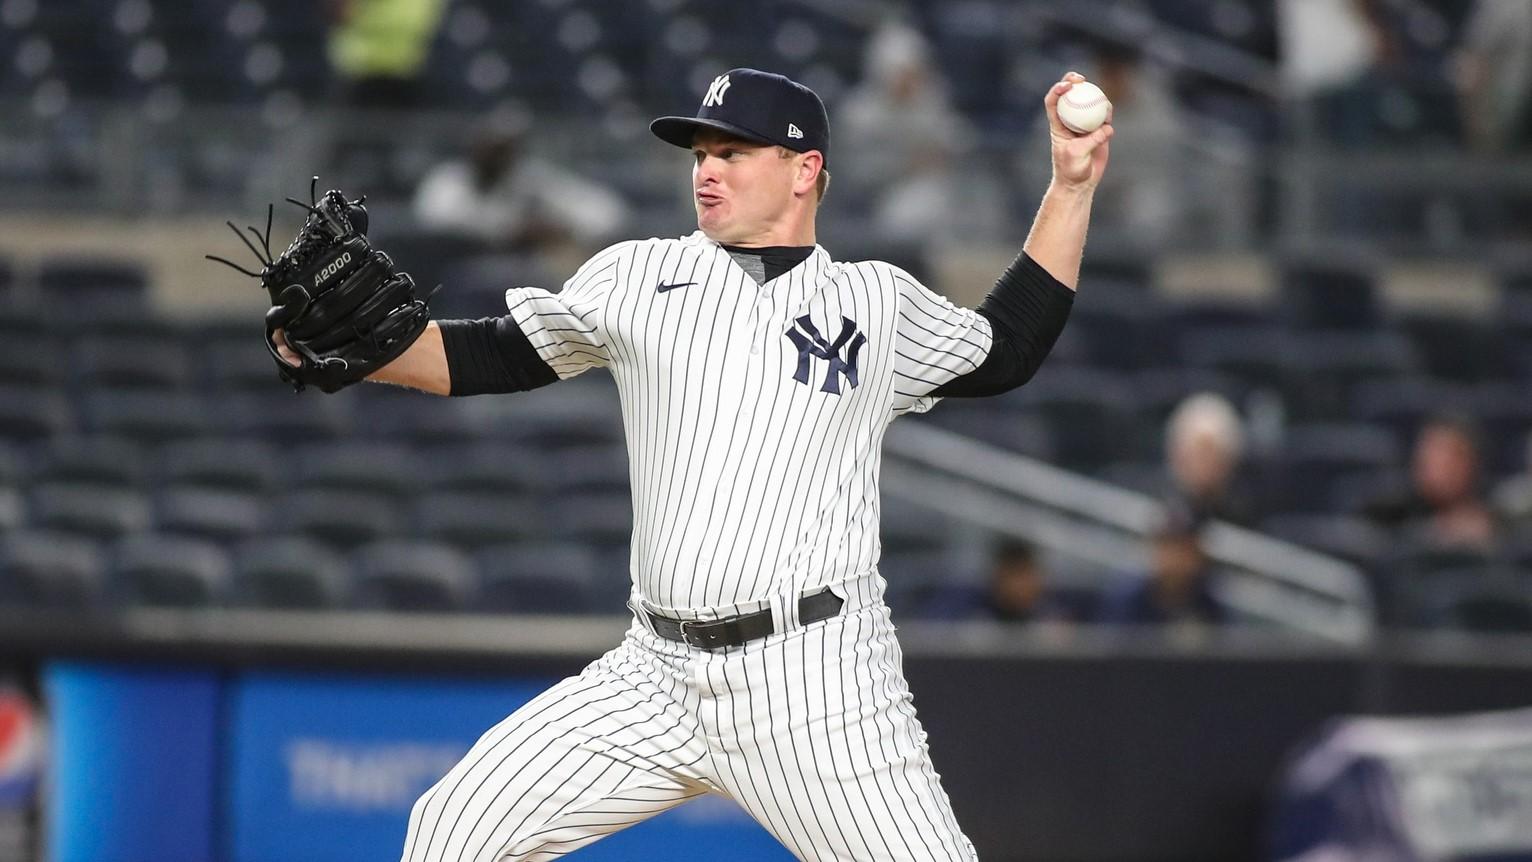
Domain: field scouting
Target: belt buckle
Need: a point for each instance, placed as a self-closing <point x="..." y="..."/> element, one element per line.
<point x="692" y="632"/>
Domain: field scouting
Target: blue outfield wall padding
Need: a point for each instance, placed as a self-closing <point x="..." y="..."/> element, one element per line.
<point x="327" y="766"/>
<point x="133" y="763"/>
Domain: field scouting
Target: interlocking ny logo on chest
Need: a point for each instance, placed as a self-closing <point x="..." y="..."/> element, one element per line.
<point x="840" y="354"/>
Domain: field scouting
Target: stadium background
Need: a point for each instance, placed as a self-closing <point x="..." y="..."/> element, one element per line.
<point x="242" y="624"/>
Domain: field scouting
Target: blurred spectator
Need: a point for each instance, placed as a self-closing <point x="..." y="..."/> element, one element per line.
<point x="907" y="139"/>
<point x="1141" y="195"/>
<point x="1512" y="498"/>
<point x="378" y="47"/>
<point x="1204" y="442"/>
<point x="1016" y="591"/>
<point x="1445" y="506"/>
<point x="512" y="201"/>
<point x="1357" y="66"/>
<point x="1494" y="75"/>
<point x="1178" y="586"/>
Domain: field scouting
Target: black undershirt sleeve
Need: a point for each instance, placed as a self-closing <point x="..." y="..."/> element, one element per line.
<point x="490" y="355"/>
<point x="1026" y="309"/>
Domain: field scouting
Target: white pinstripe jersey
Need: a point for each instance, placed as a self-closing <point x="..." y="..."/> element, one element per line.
<point x="754" y="414"/>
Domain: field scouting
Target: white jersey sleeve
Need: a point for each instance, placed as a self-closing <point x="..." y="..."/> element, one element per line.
<point x="935" y="341"/>
<point x="567" y="327"/>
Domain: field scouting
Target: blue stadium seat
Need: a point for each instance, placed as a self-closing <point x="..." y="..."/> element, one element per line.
<point x="590" y="468"/>
<point x="47" y="569"/>
<point x="127" y="362"/>
<point x="414" y="576"/>
<point x="1319" y="295"/>
<point x="29" y="413"/>
<point x="290" y="572"/>
<point x="217" y="515"/>
<point x="474" y="520"/>
<point x="354" y="465"/>
<point x="341" y="519"/>
<point x="496" y="468"/>
<point x="1315" y="457"/>
<point x="601" y="518"/>
<point x="241" y="363"/>
<point x="78" y="282"/>
<point x="283" y="417"/>
<point x="89" y="510"/>
<point x="219" y="463"/>
<point x="150" y="569"/>
<point x="148" y="416"/>
<point x="537" y="579"/>
<point x="32" y="359"/>
<point x="107" y="461"/>
<point x="391" y="413"/>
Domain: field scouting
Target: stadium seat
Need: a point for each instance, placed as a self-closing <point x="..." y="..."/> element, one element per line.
<point x="1460" y="349"/>
<point x="413" y="576"/>
<point x="590" y="468"/>
<point x="1350" y="538"/>
<point x="290" y="572"/>
<point x="119" y="361"/>
<point x="1090" y="415"/>
<point x="1332" y="364"/>
<point x="1315" y="457"/>
<point x="337" y="518"/>
<point x="393" y="414"/>
<point x="72" y="281"/>
<point x="604" y="519"/>
<point x="28" y="413"/>
<point x="1321" y="295"/>
<point x="1259" y="356"/>
<point x="147" y="416"/>
<point x="496" y="468"/>
<point x="32" y="359"/>
<point x="908" y="527"/>
<point x="98" y="460"/>
<point x="354" y="465"/>
<point x="283" y="417"/>
<point x="474" y="520"/>
<point x="150" y="569"/>
<point x="241" y="364"/>
<point x="47" y="569"/>
<point x="218" y="463"/>
<point x="537" y="579"/>
<point x="89" y="510"/>
<point x="216" y="515"/>
<point x="915" y="580"/>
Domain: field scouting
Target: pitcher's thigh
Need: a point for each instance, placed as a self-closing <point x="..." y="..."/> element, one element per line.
<point x="537" y="786"/>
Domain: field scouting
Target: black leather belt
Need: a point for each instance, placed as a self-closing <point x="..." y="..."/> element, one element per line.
<point x="735" y="631"/>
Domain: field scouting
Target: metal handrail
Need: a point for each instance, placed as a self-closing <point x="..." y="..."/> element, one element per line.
<point x="1014" y="494"/>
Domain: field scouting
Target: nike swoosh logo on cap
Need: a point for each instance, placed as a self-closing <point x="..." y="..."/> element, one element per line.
<point x="664" y="287"/>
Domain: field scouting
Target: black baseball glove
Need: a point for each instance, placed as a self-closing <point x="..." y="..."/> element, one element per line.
<point x="342" y="306"/>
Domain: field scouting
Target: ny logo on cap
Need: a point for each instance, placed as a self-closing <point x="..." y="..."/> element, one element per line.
<point x="715" y="92"/>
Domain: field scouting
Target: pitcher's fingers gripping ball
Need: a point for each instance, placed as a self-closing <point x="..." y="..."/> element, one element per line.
<point x="340" y="309"/>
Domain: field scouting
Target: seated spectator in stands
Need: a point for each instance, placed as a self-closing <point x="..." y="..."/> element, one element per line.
<point x="1494" y="75"/>
<point x="1144" y="200"/>
<point x="1445" y="505"/>
<point x="1204" y="442"/>
<point x="1512" y="498"/>
<point x="378" y="48"/>
<point x="909" y="140"/>
<point x="1178" y="586"/>
<point x="1016" y="591"/>
<point x="512" y="201"/>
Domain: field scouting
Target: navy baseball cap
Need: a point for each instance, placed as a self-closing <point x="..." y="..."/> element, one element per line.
<point x="759" y="106"/>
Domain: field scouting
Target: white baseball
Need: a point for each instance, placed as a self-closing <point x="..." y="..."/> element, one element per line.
<point x="1083" y="108"/>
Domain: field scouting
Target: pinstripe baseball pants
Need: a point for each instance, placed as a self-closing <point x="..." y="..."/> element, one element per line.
<point x="812" y="731"/>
